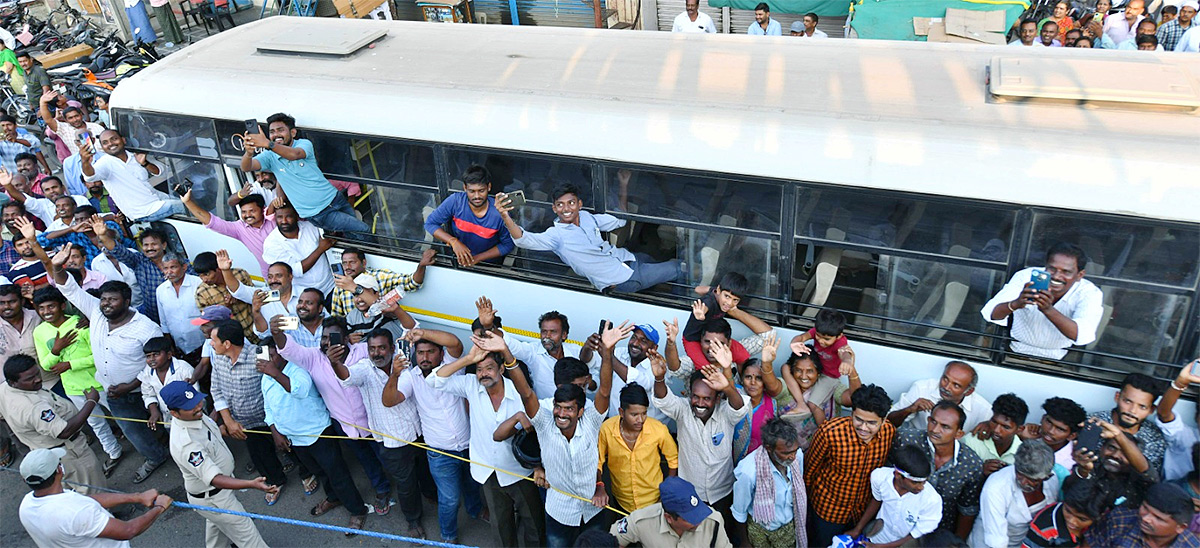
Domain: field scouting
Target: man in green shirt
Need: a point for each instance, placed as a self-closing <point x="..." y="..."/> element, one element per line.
<point x="64" y="347"/>
<point x="996" y="440"/>
<point x="37" y="81"/>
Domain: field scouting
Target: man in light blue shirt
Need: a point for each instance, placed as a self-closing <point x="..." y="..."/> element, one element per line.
<point x="176" y="298"/>
<point x="576" y="238"/>
<point x="295" y="167"/>
<point x="776" y="516"/>
<point x="297" y="415"/>
<point x="763" y="25"/>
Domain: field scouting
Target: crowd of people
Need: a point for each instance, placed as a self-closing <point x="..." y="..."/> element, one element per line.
<point x="647" y="432"/>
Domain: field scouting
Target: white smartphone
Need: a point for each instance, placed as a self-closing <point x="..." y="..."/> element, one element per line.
<point x="272" y="296"/>
<point x="289" y="323"/>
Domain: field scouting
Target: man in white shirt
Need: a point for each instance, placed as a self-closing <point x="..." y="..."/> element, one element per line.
<point x="1190" y="41"/>
<point x="631" y="364"/>
<point x="300" y="245"/>
<point x="957" y="384"/>
<point x="903" y="506"/>
<point x="493" y="399"/>
<point x="808" y="27"/>
<point x="444" y="424"/>
<point x="72" y="124"/>
<point x="127" y="178"/>
<point x="176" y="298"/>
<point x="1027" y="35"/>
<point x="1045" y="323"/>
<point x="542" y="355"/>
<point x="1123" y="27"/>
<point x="58" y="518"/>
<point x="1013" y="495"/>
<point x="763" y="25"/>
<point x="1180" y="437"/>
<point x="693" y="21"/>
<point x="161" y="369"/>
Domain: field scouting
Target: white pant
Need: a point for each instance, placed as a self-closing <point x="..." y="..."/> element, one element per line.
<point x="100" y="426"/>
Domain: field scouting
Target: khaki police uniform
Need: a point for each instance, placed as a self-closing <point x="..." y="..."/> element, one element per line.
<point x="37" y="418"/>
<point x="649" y="526"/>
<point x="201" y="454"/>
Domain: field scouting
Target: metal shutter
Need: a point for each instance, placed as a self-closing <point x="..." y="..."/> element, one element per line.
<point x="668" y="9"/>
<point x="740" y="20"/>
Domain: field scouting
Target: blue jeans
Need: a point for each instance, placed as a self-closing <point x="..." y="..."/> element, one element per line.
<point x="648" y="274"/>
<point x="338" y="216"/>
<point x="169" y="208"/>
<point x="367" y="452"/>
<point x="564" y="536"/>
<point x="452" y="475"/>
<point x="130" y="406"/>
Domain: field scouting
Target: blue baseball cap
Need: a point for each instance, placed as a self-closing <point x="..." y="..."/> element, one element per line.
<point x="679" y="498"/>
<point x="181" y="395"/>
<point x="649" y="331"/>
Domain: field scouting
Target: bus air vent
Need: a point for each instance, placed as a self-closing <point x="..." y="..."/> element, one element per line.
<point x="1151" y="82"/>
<point x="323" y="40"/>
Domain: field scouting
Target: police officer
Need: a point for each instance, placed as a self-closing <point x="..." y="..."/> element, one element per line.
<point x="207" y="467"/>
<point x="680" y="519"/>
<point x="42" y="419"/>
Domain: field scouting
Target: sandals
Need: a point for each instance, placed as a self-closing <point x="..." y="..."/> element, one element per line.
<point x="272" y="498"/>
<point x="324" y="507"/>
<point x="383" y="504"/>
<point x="10" y="455"/>
<point x="145" y="471"/>
<point x="356" y="522"/>
<point x="310" y="485"/>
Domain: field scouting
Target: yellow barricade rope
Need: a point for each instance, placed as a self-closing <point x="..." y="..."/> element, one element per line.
<point x="417" y="444"/>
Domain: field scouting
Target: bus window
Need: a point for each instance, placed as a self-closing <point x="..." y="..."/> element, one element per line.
<point x="396" y="214"/>
<point x="1125" y="249"/>
<point x="538" y="177"/>
<point x="694" y="198"/>
<point x="901" y="222"/>
<point x="1147" y="325"/>
<point x="182" y="135"/>
<point x="210" y="187"/>
<point x="373" y="159"/>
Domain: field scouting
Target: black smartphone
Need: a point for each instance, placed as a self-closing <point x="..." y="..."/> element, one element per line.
<point x="183" y="187"/>
<point x="1089" y="438"/>
<point x="335" y="338"/>
<point x="252" y="126"/>
<point x="604" y="324"/>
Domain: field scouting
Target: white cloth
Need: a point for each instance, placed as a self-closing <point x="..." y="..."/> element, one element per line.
<point x="43" y="209"/>
<point x="128" y="184"/>
<point x="570" y="464"/>
<point x="915" y="514"/>
<point x="400" y="421"/>
<point x="977" y="407"/>
<point x="443" y="415"/>
<point x="1180" y="437"/>
<point x="1190" y="41"/>
<point x="1036" y="43"/>
<point x="1035" y="335"/>
<point x="1003" y="515"/>
<point x="484" y="419"/>
<point x="705" y="448"/>
<point x="152" y="386"/>
<point x="108" y="267"/>
<point x="66" y="520"/>
<point x="702" y="24"/>
<point x="176" y="310"/>
<point x="277" y="248"/>
<point x="1118" y="29"/>
<point x="118" y="352"/>
<point x="817" y="33"/>
<point x="541" y="363"/>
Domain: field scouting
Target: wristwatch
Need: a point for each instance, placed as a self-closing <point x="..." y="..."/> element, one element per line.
<point x="271" y="145"/>
<point x="358" y="289"/>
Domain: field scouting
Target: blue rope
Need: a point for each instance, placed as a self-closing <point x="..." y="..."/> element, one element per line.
<point x="287" y="521"/>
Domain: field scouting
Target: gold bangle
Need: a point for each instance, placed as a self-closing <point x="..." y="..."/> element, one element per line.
<point x="512" y="364"/>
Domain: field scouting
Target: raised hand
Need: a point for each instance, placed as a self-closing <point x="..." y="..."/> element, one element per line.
<point x="25" y="226"/>
<point x="98" y="225"/>
<point x="658" y="364"/>
<point x="487" y="314"/>
<point x="846" y="367"/>
<point x="699" y="310"/>
<point x="799" y="348"/>
<point x="503" y="203"/>
<point x="414" y="335"/>
<point x="715" y="377"/>
<point x="256" y="303"/>
<point x="59" y="259"/>
<point x="490" y="342"/>
<point x="770" y="347"/>
<point x="223" y="260"/>
<point x="723" y="354"/>
<point x="613" y="335"/>
<point x="671" y="328"/>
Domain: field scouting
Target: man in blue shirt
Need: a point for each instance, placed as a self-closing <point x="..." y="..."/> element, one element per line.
<point x="763" y="25"/>
<point x="479" y="231"/>
<point x="295" y="167"/>
<point x="576" y="238"/>
<point x="297" y="416"/>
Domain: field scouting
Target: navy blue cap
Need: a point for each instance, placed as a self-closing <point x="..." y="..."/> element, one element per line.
<point x="181" y="395"/>
<point x="679" y="498"/>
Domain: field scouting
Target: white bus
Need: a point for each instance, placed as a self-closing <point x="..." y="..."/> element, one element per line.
<point x="902" y="183"/>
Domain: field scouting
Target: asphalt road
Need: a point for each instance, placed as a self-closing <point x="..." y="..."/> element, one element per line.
<point x="182" y="527"/>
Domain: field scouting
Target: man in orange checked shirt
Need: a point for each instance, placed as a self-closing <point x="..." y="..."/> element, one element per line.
<point x="631" y="444"/>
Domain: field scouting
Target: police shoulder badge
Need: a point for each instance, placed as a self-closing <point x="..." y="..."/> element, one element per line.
<point x="48" y="415"/>
<point x="623" y="525"/>
<point x="195" y="458"/>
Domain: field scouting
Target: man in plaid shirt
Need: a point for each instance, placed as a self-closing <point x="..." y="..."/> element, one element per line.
<point x="354" y="262"/>
<point x="1170" y="33"/>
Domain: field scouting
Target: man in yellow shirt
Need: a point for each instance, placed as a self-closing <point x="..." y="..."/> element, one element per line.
<point x="633" y="445"/>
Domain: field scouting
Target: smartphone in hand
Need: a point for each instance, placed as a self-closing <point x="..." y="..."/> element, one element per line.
<point x="1089" y="438"/>
<point x="516" y="198"/>
<point x="335" y="338"/>
<point x="1041" y="280"/>
<point x="252" y="126"/>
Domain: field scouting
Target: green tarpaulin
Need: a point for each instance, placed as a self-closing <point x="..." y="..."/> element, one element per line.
<point x="892" y="19"/>
<point x="830" y="8"/>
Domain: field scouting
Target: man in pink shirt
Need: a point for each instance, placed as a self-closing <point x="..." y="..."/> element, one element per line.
<point x="251" y="230"/>
<point x="345" y="403"/>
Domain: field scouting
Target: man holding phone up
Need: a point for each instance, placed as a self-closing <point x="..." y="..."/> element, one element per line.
<point x="1049" y="315"/>
<point x="127" y="178"/>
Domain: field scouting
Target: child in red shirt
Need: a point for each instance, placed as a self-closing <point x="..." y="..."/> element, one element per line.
<point x="827" y="339"/>
<point x="709" y="310"/>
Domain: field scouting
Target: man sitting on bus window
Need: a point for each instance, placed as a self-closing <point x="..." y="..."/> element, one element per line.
<point x="1046" y="322"/>
<point x="479" y="233"/>
<point x="127" y="178"/>
<point x="300" y="179"/>
<point x="576" y="238"/>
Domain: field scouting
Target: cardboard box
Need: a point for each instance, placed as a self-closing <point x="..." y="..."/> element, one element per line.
<point x="987" y="21"/>
<point x="357" y="9"/>
<point x="62" y="56"/>
<point x="937" y="33"/>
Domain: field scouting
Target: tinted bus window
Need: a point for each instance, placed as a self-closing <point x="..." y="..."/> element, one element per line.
<point x="168" y="134"/>
<point x="538" y="177"/>
<point x="373" y="159"/>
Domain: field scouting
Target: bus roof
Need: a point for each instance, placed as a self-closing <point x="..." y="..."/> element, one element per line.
<point x="914" y="117"/>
